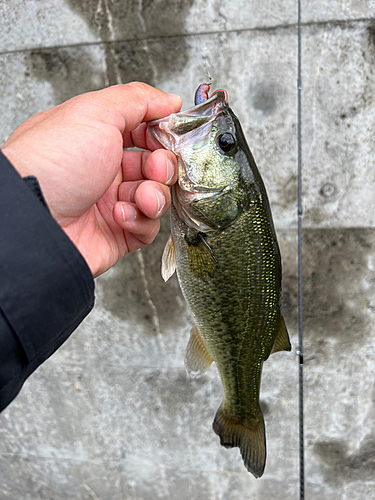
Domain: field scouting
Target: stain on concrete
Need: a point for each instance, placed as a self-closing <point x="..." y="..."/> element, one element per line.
<point x="98" y="16"/>
<point x="338" y="282"/>
<point x="177" y="391"/>
<point x="118" y="20"/>
<point x="266" y="97"/>
<point x="287" y="190"/>
<point x="124" y="19"/>
<point x="69" y="71"/>
<point x="151" y="61"/>
<point x="339" y="466"/>
<point x="72" y="71"/>
<point x="371" y="34"/>
<point x="165" y="401"/>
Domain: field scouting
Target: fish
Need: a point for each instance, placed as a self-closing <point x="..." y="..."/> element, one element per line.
<point x="224" y="248"/>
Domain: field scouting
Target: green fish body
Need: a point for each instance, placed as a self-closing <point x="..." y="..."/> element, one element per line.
<point x="224" y="248"/>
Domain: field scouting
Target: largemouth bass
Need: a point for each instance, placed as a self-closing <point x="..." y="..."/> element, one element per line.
<point x="224" y="247"/>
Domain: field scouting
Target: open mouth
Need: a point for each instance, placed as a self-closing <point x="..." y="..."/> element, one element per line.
<point x="173" y="129"/>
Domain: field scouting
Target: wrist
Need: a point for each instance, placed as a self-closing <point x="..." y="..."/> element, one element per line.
<point x="18" y="165"/>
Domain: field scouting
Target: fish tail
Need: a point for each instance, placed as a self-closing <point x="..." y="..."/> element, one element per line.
<point x="247" y="433"/>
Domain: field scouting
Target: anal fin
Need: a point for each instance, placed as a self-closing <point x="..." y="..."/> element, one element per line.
<point x="197" y="358"/>
<point x="282" y="342"/>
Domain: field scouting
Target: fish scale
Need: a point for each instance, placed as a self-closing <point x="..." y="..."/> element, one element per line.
<point x="225" y="320"/>
<point x="224" y="248"/>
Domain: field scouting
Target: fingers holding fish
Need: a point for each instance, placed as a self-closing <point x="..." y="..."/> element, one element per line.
<point x="141" y="137"/>
<point x="159" y="166"/>
<point x="132" y="165"/>
<point x="152" y="198"/>
<point x="139" y="230"/>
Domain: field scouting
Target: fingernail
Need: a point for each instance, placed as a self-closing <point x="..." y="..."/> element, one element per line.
<point x="129" y="213"/>
<point x="161" y="201"/>
<point x="170" y="170"/>
<point x="177" y="97"/>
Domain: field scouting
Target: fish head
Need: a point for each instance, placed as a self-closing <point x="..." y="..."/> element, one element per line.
<point x="204" y="138"/>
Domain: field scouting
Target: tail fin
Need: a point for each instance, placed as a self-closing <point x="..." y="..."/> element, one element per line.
<point x="246" y="433"/>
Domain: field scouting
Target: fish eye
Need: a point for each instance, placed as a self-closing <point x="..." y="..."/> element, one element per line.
<point x="226" y="142"/>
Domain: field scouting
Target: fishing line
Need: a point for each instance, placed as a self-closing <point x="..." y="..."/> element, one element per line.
<point x="300" y="297"/>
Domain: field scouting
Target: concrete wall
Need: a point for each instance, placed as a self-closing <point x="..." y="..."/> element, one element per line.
<point x="112" y="415"/>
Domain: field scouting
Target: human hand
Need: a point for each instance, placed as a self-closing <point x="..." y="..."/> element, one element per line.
<point x="108" y="201"/>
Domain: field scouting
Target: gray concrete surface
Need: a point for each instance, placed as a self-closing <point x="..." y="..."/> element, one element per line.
<point x="112" y="414"/>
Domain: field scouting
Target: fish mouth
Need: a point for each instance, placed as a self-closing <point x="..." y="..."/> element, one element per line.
<point x="173" y="129"/>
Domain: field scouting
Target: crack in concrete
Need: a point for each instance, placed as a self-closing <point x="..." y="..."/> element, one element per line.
<point x="154" y="312"/>
<point x="92" y="493"/>
<point x="345" y="23"/>
<point x="140" y="16"/>
<point x="151" y="62"/>
<point x="113" y="76"/>
<point x="109" y="20"/>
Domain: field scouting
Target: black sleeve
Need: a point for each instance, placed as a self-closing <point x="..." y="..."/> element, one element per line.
<point x="46" y="287"/>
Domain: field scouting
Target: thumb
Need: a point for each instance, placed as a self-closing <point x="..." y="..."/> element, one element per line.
<point x="138" y="102"/>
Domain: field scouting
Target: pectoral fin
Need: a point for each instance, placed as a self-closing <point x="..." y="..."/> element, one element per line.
<point x="168" y="261"/>
<point x="282" y="342"/>
<point x="197" y="359"/>
<point x="201" y="259"/>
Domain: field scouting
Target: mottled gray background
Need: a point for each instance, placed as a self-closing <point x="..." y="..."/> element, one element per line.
<point x="112" y="415"/>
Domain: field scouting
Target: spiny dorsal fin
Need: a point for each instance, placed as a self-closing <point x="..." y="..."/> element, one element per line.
<point x="197" y="359"/>
<point x="168" y="261"/>
<point x="282" y="342"/>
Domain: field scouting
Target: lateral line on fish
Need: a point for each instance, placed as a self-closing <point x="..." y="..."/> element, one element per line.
<point x="247" y="325"/>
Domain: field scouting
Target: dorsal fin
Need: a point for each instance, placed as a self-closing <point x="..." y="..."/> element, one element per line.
<point x="197" y="358"/>
<point x="168" y="261"/>
<point x="282" y="342"/>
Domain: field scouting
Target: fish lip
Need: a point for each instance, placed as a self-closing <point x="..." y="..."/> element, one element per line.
<point x="169" y="129"/>
<point x="218" y="97"/>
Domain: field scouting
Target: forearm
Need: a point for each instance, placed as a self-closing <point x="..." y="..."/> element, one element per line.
<point x="46" y="287"/>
